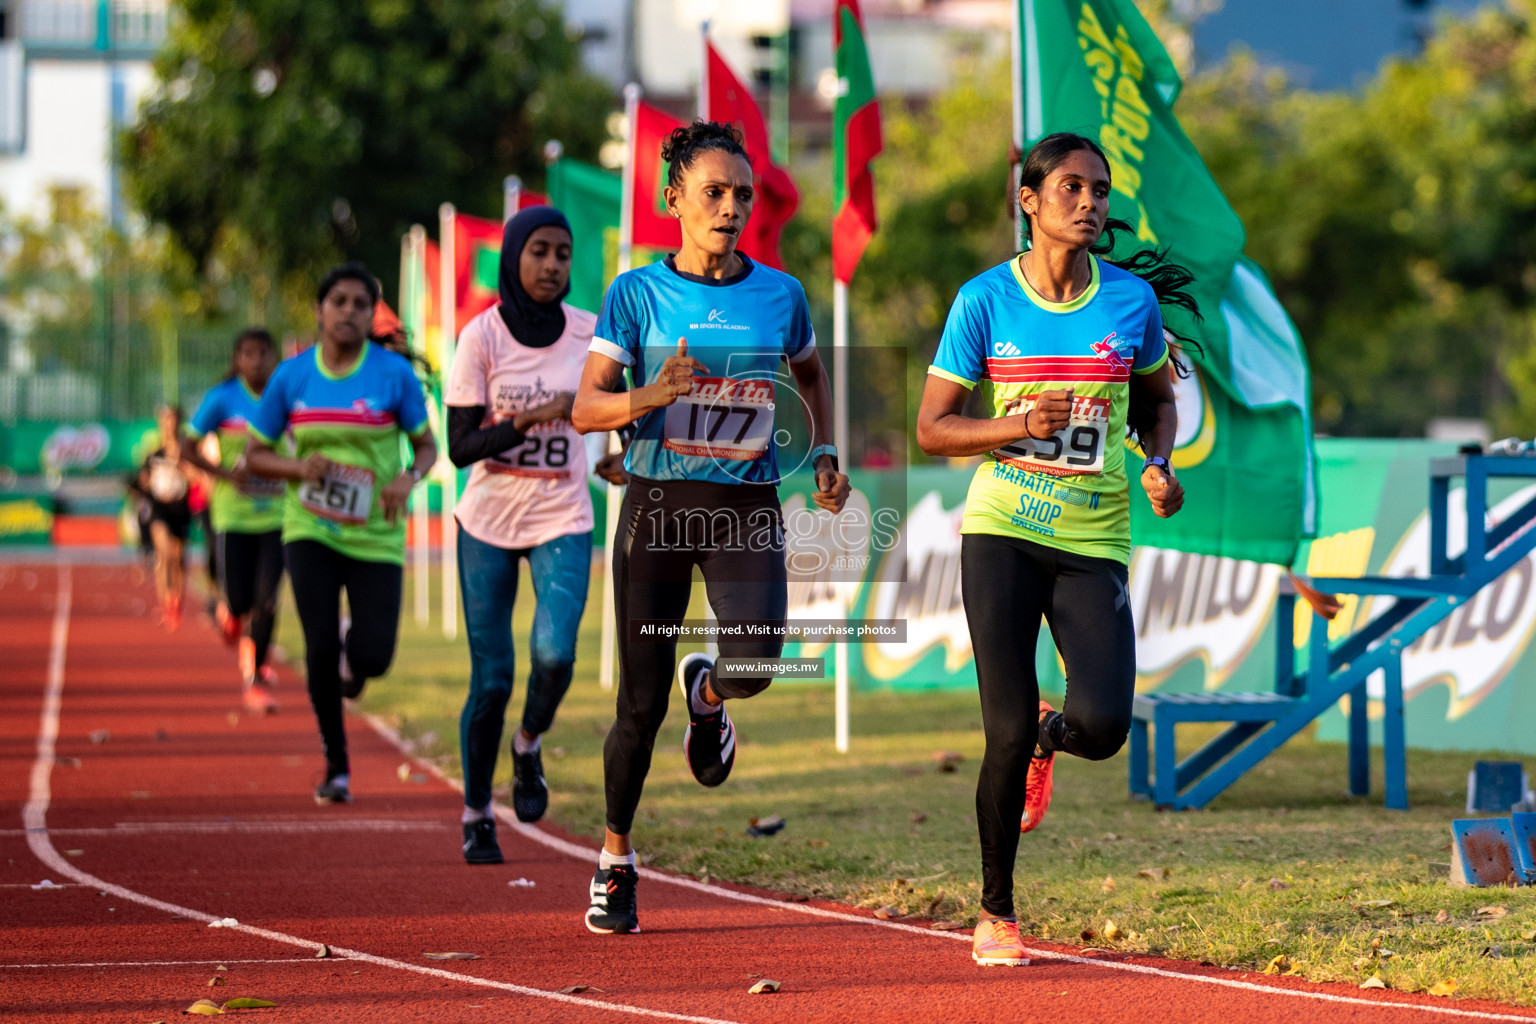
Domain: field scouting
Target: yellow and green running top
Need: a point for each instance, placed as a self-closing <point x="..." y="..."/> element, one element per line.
<point x="1068" y="491"/>
<point x="257" y="505"/>
<point x="355" y="419"/>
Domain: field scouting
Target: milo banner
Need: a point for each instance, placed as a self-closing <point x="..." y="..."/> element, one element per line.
<point x="45" y="448"/>
<point x="26" y="519"/>
<point x="1205" y="622"/>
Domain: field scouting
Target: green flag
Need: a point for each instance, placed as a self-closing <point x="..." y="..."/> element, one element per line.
<point x="1244" y="452"/>
<point x="589" y="198"/>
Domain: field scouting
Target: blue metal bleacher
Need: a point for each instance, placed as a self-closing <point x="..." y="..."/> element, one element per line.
<point x="1262" y="722"/>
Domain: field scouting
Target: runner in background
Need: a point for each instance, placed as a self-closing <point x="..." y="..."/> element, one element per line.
<point x="509" y="394"/>
<point x="1072" y="349"/>
<point x="704" y="333"/>
<point x="247" y="513"/>
<point x="163" y="484"/>
<point x="347" y="403"/>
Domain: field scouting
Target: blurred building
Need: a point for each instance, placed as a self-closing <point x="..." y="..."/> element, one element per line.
<point x="69" y="71"/>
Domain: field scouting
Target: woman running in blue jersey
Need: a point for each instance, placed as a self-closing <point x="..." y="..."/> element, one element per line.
<point x="1072" y="349"/>
<point x="703" y="333"/>
<point x="247" y="512"/>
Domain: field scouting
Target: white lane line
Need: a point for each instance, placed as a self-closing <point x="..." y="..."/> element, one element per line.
<point x="129" y="828"/>
<point x="35" y="818"/>
<point x="172" y="963"/>
<point x="586" y="854"/>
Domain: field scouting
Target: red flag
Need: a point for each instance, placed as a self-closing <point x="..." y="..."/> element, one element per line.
<point x="526" y="199"/>
<point x="728" y="100"/>
<point x="476" y="266"/>
<point x="651" y="225"/>
<point x="855" y="142"/>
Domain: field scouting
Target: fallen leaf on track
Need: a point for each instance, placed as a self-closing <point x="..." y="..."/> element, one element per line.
<point x="1277" y="885"/>
<point x="215" y="980"/>
<point x="452" y="956"/>
<point x="1087" y="934"/>
<point x="766" y="985"/>
<point x="1112" y="932"/>
<point x="887" y="913"/>
<point x="74" y="853"/>
<point x="404" y="771"/>
<point x="47" y="883"/>
<point x="1529" y="935"/>
<point x="1443" y="988"/>
<point x="1441" y="917"/>
<point x="204" y="1008"/>
<point x="247" y="1003"/>
<point x="323" y="952"/>
<point x="947" y="926"/>
<point x="100" y="736"/>
<point x="817" y="842"/>
<point x="576" y="990"/>
<point x="1491" y="913"/>
<point x="224" y="922"/>
<point x="1155" y="874"/>
<point x="1108" y="884"/>
<point x="918" y="817"/>
<point x="1279" y="965"/>
<point x="947" y="760"/>
<point x="522" y="883"/>
<point x="1373" y="982"/>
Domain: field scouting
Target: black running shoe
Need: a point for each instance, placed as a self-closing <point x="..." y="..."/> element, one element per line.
<point x="480" y="846"/>
<point x="332" y="791"/>
<point x="530" y="794"/>
<point x="709" y="743"/>
<point x="613" y="901"/>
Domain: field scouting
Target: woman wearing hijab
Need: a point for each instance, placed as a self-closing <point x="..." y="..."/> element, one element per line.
<point x="509" y="396"/>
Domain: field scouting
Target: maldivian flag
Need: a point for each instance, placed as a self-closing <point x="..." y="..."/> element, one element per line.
<point x="651" y="225"/>
<point x="1245" y="423"/>
<point x="855" y="142"/>
<point x="729" y="101"/>
<point x="476" y="263"/>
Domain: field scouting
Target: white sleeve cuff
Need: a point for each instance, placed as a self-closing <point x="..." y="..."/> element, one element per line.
<point x="806" y="350"/>
<point x="604" y="347"/>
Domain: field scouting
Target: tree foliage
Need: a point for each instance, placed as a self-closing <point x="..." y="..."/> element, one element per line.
<point x="285" y="134"/>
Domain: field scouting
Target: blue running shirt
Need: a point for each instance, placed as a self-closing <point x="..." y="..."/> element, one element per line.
<point x="256" y="506"/>
<point x="724" y="430"/>
<point x="1068" y="491"/>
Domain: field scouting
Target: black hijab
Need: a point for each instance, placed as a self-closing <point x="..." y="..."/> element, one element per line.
<point x="535" y="324"/>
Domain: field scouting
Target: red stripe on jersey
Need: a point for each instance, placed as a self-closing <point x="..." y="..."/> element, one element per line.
<point x="341" y="417"/>
<point x="233" y="425"/>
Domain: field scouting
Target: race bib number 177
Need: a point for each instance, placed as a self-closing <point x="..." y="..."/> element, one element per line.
<point x="1076" y="448"/>
<point x="721" y="418"/>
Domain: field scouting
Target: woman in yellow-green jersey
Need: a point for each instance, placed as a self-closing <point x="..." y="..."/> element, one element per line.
<point x="247" y="512"/>
<point x="1071" y="350"/>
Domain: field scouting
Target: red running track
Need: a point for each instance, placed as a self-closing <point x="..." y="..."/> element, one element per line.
<point x="190" y="811"/>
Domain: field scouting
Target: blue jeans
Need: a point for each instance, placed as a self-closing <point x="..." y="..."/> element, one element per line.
<point x="561" y="569"/>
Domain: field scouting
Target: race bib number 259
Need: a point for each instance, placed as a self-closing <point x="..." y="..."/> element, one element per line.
<point x="1076" y="448"/>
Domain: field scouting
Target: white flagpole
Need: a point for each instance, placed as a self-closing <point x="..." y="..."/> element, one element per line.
<point x="608" y="665"/>
<point x="840" y="439"/>
<point x="1018" y="118"/>
<point x="414" y="274"/>
<point x="448" y="312"/>
<point x="511" y="197"/>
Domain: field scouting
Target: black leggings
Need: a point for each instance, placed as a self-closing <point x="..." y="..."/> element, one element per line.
<point x="734" y="534"/>
<point x="251" y="567"/>
<point x="318" y="573"/>
<point x="1007" y="584"/>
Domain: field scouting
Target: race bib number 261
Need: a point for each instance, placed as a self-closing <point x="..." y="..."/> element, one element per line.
<point x="345" y="495"/>
<point x="1076" y="448"/>
<point x="722" y="418"/>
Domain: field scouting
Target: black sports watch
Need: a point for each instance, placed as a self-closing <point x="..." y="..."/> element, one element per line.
<point x="1158" y="461"/>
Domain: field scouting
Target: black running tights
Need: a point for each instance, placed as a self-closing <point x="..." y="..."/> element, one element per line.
<point x="318" y="573"/>
<point x="1007" y="585"/>
<point x="734" y="534"/>
<point x="251" y="565"/>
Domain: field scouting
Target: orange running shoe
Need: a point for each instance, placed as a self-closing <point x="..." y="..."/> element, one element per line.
<point x="247" y="660"/>
<point x="1037" y="786"/>
<point x="229" y="625"/>
<point x="997" y="944"/>
<point x="259" y="699"/>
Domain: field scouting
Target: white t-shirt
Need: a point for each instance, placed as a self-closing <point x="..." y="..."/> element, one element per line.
<point x="536" y="491"/>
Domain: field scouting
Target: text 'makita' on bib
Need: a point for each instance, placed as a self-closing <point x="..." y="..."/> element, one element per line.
<point x="722" y="418"/>
<point x="1077" y="447"/>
